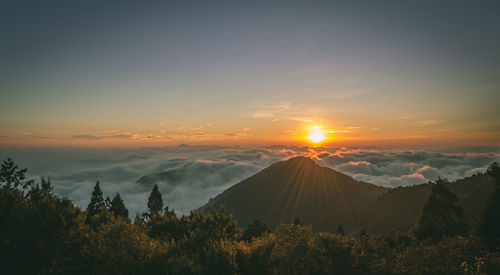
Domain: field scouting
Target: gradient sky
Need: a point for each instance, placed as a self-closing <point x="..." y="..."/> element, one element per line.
<point x="83" y="73"/>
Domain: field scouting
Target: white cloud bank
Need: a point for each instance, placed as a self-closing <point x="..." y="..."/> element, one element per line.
<point x="189" y="175"/>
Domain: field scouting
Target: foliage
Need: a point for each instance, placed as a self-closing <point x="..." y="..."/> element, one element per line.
<point x="96" y="201"/>
<point x="12" y="176"/>
<point x="42" y="233"/>
<point x="118" y="247"/>
<point x="488" y="227"/>
<point x="254" y="230"/>
<point x="441" y="215"/>
<point x="118" y="207"/>
<point x="41" y="229"/>
<point x="340" y="230"/>
<point x="155" y="202"/>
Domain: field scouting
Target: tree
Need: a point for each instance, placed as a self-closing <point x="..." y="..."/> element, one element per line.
<point x="441" y="215"/>
<point x="340" y="230"/>
<point x="11" y="176"/>
<point x="118" y="207"/>
<point x="488" y="227"/>
<point x="155" y="202"/>
<point x="107" y="202"/>
<point x="494" y="170"/>
<point x="40" y="234"/>
<point x="96" y="201"/>
<point x="39" y="191"/>
<point x="254" y="230"/>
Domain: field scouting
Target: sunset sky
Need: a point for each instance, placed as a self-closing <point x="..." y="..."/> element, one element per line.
<point x="233" y="72"/>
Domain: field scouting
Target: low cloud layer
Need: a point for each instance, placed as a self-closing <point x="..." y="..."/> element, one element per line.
<point x="189" y="175"/>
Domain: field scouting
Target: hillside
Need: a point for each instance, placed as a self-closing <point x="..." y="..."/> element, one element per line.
<point x="325" y="198"/>
<point x="400" y="208"/>
<point x="299" y="188"/>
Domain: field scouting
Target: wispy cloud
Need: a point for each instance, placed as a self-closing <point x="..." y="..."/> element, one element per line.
<point x="90" y="137"/>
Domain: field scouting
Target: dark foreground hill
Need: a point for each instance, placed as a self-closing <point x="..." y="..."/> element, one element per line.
<point x="299" y="188"/>
<point x="400" y="208"/>
<point x="325" y="198"/>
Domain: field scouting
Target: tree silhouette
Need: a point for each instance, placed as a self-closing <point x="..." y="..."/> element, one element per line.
<point x="118" y="207"/>
<point x="494" y="171"/>
<point x="155" y="202"/>
<point x="254" y="230"/>
<point x="39" y="191"/>
<point x="340" y="230"/>
<point x="96" y="201"/>
<point x="107" y="202"/>
<point x="441" y="215"/>
<point x="488" y="227"/>
<point x="11" y="176"/>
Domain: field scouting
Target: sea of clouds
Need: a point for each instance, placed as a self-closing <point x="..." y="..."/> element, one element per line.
<point x="197" y="173"/>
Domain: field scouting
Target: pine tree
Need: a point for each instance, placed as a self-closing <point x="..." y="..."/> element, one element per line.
<point x="494" y="171"/>
<point x="155" y="202"/>
<point x="46" y="187"/>
<point x="107" y="203"/>
<point x="39" y="191"/>
<point x="340" y="230"/>
<point x="96" y="201"/>
<point x="441" y="215"/>
<point x="118" y="207"/>
<point x="11" y="176"/>
<point x="254" y="230"/>
<point x="488" y="227"/>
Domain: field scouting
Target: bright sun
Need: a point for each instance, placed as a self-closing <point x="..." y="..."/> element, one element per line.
<point x="316" y="136"/>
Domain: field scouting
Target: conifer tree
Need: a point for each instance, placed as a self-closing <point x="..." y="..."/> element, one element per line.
<point x="96" y="201"/>
<point x="118" y="207"/>
<point x="254" y="230"/>
<point x="155" y="202"/>
<point x="488" y="227"/>
<point x="107" y="203"/>
<point x="11" y="176"/>
<point x="340" y="230"/>
<point x="441" y="216"/>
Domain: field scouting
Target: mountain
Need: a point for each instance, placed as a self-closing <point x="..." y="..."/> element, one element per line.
<point x="299" y="188"/>
<point x="324" y="198"/>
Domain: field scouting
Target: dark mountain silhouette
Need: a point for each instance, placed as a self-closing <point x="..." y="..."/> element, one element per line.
<point x="299" y="188"/>
<point x="325" y="198"/>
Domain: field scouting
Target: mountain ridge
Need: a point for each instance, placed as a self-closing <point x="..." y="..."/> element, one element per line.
<point x="324" y="198"/>
<point x="298" y="188"/>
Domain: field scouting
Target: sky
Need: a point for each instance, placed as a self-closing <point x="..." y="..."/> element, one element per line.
<point x="163" y="73"/>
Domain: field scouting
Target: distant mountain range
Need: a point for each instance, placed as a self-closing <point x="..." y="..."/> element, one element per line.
<point x="324" y="198"/>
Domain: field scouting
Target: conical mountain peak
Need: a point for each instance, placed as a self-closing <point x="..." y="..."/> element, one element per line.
<point x="298" y="188"/>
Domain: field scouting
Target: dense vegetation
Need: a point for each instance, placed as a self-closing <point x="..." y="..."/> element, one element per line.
<point x="43" y="233"/>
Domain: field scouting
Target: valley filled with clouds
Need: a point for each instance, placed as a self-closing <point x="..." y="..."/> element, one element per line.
<point x="188" y="176"/>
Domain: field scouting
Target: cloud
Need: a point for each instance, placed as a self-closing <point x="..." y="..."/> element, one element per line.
<point x="273" y="110"/>
<point x="94" y="137"/>
<point x="90" y="137"/>
<point x="189" y="175"/>
<point x="405" y="167"/>
<point x="126" y="136"/>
